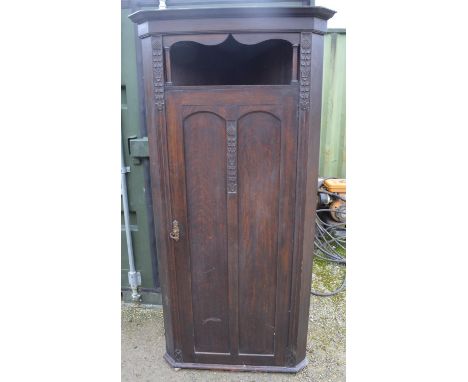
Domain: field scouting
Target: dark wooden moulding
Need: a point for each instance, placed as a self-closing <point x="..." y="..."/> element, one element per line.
<point x="235" y="165"/>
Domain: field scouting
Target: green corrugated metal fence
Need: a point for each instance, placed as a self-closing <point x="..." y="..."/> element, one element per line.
<point x="333" y="135"/>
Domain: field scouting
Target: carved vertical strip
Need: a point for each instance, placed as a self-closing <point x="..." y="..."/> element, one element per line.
<point x="304" y="92"/>
<point x="158" y="72"/>
<point x="231" y="135"/>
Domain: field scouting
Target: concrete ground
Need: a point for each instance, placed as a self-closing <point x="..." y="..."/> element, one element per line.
<point x="143" y="342"/>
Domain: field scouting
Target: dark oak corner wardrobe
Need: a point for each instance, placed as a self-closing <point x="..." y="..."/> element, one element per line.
<point x="233" y="101"/>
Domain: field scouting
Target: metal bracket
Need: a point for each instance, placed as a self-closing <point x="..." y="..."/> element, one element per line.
<point x="134" y="279"/>
<point x="138" y="148"/>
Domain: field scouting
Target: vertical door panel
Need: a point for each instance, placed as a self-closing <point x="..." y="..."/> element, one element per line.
<point x="205" y="171"/>
<point x="259" y="176"/>
<point x="232" y="167"/>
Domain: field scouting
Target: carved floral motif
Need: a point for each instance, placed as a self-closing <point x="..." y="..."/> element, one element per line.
<point x="290" y="358"/>
<point x="178" y="355"/>
<point x="158" y="72"/>
<point x="231" y="134"/>
<point x="304" y="92"/>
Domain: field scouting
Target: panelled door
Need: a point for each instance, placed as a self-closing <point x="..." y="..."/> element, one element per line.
<point x="232" y="169"/>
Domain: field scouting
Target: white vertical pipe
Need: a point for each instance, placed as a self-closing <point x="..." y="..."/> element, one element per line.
<point x="132" y="275"/>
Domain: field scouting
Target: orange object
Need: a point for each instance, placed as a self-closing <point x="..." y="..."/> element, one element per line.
<point x="335" y="185"/>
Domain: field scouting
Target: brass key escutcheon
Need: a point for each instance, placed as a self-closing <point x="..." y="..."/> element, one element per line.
<point x="175" y="232"/>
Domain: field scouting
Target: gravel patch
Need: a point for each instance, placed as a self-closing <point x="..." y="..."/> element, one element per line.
<point x="143" y="343"/>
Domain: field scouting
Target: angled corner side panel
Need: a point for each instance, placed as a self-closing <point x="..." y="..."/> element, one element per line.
<point x="156" y="128"/>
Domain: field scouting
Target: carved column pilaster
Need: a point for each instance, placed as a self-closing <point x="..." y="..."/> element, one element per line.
<point x="158" y="72"/>
<point x="231" y="136"/>
<point x="304" y="90"/>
